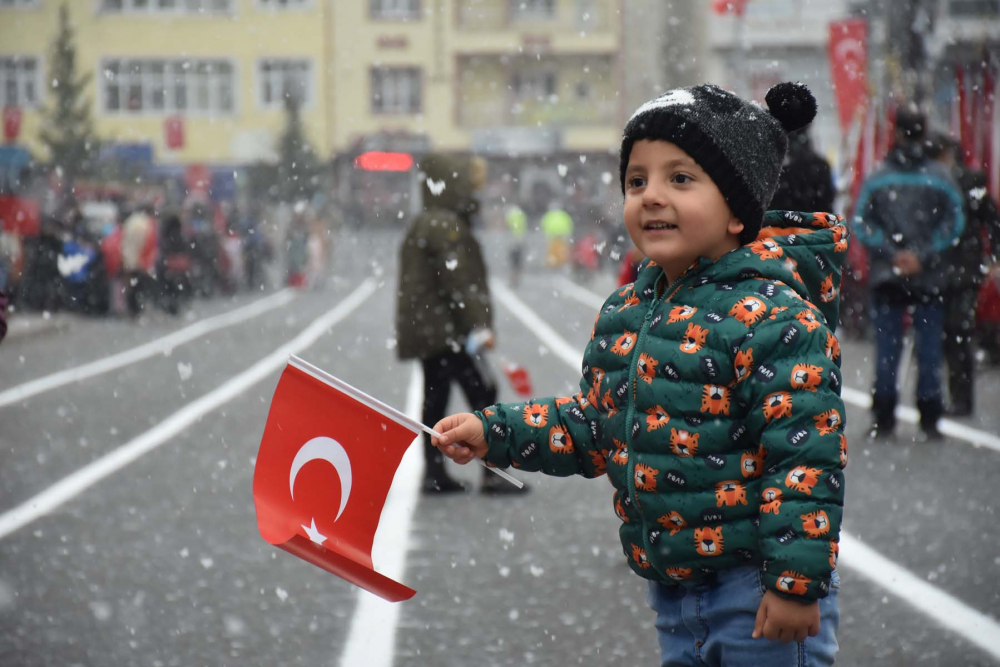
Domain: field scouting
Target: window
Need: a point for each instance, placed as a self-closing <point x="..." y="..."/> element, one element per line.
<point x="533" y="84"/>
<point x="396" y="90"/>
<point x="19" y="78"/>
<point x="278" y="79"/>
<point x="168" y="86"/>
<point x="151" y="6"/>
<point x="4" y="4"/>
<point x="533" y="9"/>
<point x="975" y="8"/>
<point x="395" y="10"/>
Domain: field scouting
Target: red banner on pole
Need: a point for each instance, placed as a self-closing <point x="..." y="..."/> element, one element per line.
<point x="11" y="123"/>
<point x="849" y="66"/>
<point x="173" y="128"/>
<point x="323" y="473"/>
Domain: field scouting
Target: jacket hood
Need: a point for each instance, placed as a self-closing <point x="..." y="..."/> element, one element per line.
<point x="805" y="251"/>
<point x="447" y="183"/>
<point x="907" y="155"/>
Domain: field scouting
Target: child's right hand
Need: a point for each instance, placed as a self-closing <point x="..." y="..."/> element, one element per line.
<point x="462" y="438"/>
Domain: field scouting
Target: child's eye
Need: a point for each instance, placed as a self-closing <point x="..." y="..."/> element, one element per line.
<point x="636" y="182"/>
<point x="681" y="179"/>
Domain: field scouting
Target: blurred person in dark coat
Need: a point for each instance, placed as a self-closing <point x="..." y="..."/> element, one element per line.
<point x="444" y="313"/>
<point x="174" y="264"/>
<point x="806" y="181"/>
<point x="909" y="214"/>
<point x="977" y="250"/>
<point x="4" y="302"/>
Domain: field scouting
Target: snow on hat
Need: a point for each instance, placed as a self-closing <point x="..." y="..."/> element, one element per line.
<point x="740" y="144"/>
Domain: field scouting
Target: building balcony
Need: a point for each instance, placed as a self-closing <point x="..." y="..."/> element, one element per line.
<point x="536" y="26"/>
<point x="522" y="91"/>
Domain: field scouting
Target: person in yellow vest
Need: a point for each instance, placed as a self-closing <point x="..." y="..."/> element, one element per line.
<point x="557" y="226"/>
<point x="517" y="224"/>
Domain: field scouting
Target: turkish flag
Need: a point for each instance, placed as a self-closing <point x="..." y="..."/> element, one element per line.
<point x="323" y="473"/>
<point x="849" y="65"/>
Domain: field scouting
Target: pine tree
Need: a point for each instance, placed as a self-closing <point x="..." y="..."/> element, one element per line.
<point x="68" y="131"/>
<point x="299" y="168"/>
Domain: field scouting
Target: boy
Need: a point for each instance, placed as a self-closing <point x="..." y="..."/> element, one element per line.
<point x="710" y="390"/>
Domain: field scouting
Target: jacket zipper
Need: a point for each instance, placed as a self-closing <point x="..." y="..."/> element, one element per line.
<point x="630" y="413"/>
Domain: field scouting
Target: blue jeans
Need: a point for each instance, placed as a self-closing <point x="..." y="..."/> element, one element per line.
<point x="712" y="624"/>
<point x="928" y="322"/>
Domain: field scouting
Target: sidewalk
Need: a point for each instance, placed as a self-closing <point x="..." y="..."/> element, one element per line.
<point x="22" y="325"/>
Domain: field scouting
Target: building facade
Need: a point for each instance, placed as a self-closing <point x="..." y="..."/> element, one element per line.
<point x="204" y="81"/>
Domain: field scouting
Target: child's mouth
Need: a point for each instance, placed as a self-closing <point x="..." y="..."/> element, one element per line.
<point x="651" y="226"/>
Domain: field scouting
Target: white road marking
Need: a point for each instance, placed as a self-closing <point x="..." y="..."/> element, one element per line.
<point x="371" y="640"/>
<point x="856" y="397"/>
<point x="948" y="611"/>
<point x="76" y="483"/>
<point x="161" y="345"/>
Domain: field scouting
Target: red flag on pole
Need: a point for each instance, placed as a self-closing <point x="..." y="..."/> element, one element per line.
<point x="988" y="129"/>
<point x="323" y="473"/>
<point x="848" y="53"/>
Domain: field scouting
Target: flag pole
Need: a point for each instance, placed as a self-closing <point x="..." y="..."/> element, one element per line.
<point x="382" y="408"/>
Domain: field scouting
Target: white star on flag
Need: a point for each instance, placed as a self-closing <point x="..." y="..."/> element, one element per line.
<point x="314" y="534"/>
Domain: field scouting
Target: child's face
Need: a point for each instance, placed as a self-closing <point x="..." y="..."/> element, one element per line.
<point x="673" y="211"/>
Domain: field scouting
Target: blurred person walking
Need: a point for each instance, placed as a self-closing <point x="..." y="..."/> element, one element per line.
<point x="256" y="249"/>
<point x="297" y="250"/>
<point x="204" y="274"/>
<point x="908" y="215"/>
<point x="517" y="225"/>
<point x="139" y="252"/>
<point x="557" y="226"/>
<point x="977" y="249"/>
<point x="174" y="264"/>
<point x="444" y="314"/>
<point x="4" y="303"/>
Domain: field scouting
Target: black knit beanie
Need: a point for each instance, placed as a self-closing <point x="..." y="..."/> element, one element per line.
<point x="740" y="144"/>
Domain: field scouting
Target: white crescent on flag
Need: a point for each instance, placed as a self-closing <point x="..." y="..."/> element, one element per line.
<point x="331" y="451"/>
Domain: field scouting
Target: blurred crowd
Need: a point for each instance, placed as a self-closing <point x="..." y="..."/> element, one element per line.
<point x="115" y="257"/>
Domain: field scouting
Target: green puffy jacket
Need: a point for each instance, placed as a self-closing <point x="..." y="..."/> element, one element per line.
<point x="443" y="292"/>
<point x="713" y="405"/>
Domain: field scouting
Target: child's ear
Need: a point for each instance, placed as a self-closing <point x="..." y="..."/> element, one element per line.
<point x="735" y="227"/>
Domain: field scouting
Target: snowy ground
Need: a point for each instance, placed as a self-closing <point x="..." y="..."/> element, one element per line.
<point x="157" y="560"/>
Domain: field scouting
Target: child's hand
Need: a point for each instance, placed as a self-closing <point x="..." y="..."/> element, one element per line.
<point x="785" y="620"/>
<point x="462" y="438"/>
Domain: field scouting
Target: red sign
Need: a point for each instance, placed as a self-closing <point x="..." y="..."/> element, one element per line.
<point x="198" y="178"/>
<point x="173" y="128"/>
<point x="849" y="65"/>
<point x="11" y="123"/>
<point x="323" y="472"/>
<point x="737" y="7"/>
<point x="381" y="161"/>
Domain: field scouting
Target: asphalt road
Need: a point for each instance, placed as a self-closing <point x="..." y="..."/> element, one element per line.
<point x="159" y="561"/>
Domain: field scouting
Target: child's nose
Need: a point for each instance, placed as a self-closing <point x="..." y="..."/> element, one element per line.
<point x="655" y="194"/>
